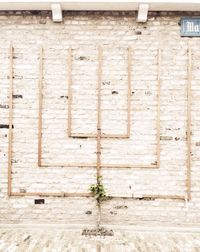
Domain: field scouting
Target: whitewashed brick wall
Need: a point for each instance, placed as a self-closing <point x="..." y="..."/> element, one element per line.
<point x="84" y="32"/>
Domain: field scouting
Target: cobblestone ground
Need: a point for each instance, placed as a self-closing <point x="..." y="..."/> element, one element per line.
<point x="36" y="240"/>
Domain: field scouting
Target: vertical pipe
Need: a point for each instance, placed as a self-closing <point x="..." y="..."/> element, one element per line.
<point x="10" y="134"/>
<point x="158" y="109"/>
<point x="99" y="113"/>
<point x="69" y="128"/>
<point x="129" y="93"/>
<point x="188" y="180"/>
<point x="40" y="98"/>
<point x="99" y="130"/>
<point x="98" y="248"/>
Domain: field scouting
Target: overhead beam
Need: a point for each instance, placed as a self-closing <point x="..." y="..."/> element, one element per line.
<point x="101" y="5"/>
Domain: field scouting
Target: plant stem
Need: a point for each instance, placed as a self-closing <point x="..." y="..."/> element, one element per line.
<point x="98" y="215"/>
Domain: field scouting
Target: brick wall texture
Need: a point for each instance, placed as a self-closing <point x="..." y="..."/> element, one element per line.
<point x="84" y="32"/>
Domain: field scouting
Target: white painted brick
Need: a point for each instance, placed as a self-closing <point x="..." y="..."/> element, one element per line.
<point x="84" y="32"/>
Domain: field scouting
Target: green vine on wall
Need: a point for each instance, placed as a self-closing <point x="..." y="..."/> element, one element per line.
<point x="98" y="190"/>
<point x="99" y="193"/>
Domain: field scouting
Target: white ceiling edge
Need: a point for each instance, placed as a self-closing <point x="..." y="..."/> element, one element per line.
<point x="101" y="1"/>
<point x="101" y="5"/>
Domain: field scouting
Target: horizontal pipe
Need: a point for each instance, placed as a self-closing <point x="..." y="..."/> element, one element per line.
<point x="85" y="135"/>
<point x="68" y="165"/>
<point x="42" y="194"/>
<point x="102" y="165"/>
<point x="129" y="166"/>
<point x="142" y="197"/>
<point x="70" y="97"/>
<point x="151" y="197"/>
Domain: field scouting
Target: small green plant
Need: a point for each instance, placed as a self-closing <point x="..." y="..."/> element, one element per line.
<point x="98" y="190"/>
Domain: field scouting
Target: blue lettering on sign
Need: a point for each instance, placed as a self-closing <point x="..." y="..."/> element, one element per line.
<point x="190" y="27"/>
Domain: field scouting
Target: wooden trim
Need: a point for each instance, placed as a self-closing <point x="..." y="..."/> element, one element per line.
<point x="43" y="194"/>
<point x="98" y="165"/>
<point x="129" y="166"/>
<point x="10" y="133"/>
<point x="69" y="165"/>
<point x="157" y="163"/>
<point x="173" y="197"/>
<point x="158" y="109"/>
<point x="142" y="197"/>
<point x="40" y="97"/>
<point x="150" y="197"/>
<point x="129" y="65"/>
<point x="98" y="248"/>
<point x="118" y="136"/>
<point x="85" y="135"/>
<point x="115" y="136"/>
<point x="100" y="55"/>
<point x="103" y="135"/>
<point x="40" y="100"/>
<point x="102" y="166"/>
<point x="188" y="179"/>
<point x="69" y="128"/>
